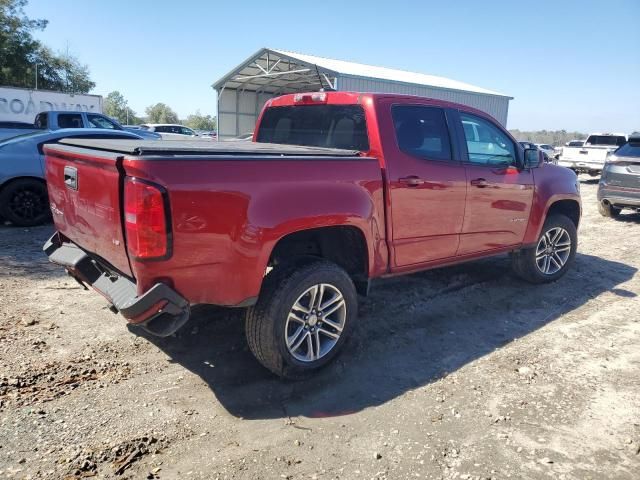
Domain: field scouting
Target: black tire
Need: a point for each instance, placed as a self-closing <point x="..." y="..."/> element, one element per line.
<point x="608" y="210"/>
<point x="24" y="202"/>
<point x="524" y="262"/>
<point x="266" y="321"/>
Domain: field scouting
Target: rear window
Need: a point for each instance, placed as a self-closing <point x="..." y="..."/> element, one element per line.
<point x="629" y="150"/>
<point x="332" y="126"/>
<point x="610" y="140"/>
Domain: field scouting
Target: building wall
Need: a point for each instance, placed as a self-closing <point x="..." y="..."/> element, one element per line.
<point x="497" y="107"/>
<point x="238" y="110"/>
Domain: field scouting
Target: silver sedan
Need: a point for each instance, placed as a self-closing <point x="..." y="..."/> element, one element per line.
<point x="23" y="191"/>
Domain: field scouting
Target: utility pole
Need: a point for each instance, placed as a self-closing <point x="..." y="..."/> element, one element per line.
<point x="36" y="75"/>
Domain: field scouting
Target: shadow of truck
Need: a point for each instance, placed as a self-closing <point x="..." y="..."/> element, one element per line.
<point x="412" y="330"/>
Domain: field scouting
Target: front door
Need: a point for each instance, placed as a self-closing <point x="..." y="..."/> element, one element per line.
<point x="499" y="194"/>
<point x="427" y="184"/>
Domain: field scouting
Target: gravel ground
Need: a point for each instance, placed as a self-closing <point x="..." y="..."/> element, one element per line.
<point x="464" y="372"/>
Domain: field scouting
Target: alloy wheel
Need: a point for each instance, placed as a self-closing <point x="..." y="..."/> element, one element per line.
<point x="553" y="250"/>
<point x="315" y="322"/>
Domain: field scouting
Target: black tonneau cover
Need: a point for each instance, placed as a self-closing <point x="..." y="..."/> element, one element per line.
<point x="203" y="147"/>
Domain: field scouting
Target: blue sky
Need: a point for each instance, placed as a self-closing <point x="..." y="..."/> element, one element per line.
<point x="572" y="65"/>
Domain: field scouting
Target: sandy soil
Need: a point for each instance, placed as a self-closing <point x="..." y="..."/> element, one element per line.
<point x="465" y="372"/>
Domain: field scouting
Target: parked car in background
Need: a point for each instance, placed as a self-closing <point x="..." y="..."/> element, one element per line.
<point x="590" y="157"/>
<point x="548" y="149"/>
<point x="23" y="194"/>
<point x="619" y="185"/>
<point x="170" y="131"/>
<point x="11" y="129"/>
<point x="137" y="129"/>
<point x="339" y="188"/>
<point x="55" y="120"/>
<point x="534" y="146"/>
<point x="207" y="134"/>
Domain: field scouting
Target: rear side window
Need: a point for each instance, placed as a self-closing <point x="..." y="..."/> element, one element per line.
<point x="422" y="131"/>
<point x="610" y="140"/>
<point x="629" y="150"/>
<point x="70" y="120"/>
<point x="331" y="126"/>
<point x="486" y="143"/>
<point x="42" y="120"/>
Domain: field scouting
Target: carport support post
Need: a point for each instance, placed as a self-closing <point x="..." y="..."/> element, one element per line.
<point x="237" y="113"/>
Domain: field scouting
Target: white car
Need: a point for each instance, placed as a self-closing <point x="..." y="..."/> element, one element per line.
<point x="590" y="157"/>
<point x="548" y="149"/>
<point x="170" y="131"/>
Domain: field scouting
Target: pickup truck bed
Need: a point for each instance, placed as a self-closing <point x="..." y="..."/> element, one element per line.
<point x="213" y="149"/>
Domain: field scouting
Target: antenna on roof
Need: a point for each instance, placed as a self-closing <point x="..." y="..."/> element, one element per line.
<point x="322" y="89"/>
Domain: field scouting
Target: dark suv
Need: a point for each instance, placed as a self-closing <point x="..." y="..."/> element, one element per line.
<point x="620" y="181"/>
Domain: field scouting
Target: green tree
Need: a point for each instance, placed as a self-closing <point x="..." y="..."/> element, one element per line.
<point x="197" y="121"/>
<point x="116" y="106"/>
<point x="18" y="48"/>
<point x="62" y="73"/>
<point x="161" y="113"/>
<point x="22" y="58"/>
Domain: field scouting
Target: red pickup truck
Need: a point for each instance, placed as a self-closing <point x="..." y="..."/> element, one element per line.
<point x="335" y="189"/>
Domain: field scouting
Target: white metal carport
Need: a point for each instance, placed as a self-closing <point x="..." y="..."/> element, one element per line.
<point x="269" y="73"/>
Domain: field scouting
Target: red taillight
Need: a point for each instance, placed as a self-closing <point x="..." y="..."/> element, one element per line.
<point x="145" y="220"/>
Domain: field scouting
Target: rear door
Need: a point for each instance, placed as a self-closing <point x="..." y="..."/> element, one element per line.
<point x="499" y="195"/>
<point x="84" y="194"/>
<point x="426" y="182"/>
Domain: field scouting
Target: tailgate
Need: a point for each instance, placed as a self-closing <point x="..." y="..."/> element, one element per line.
<point x="84" y="192"/>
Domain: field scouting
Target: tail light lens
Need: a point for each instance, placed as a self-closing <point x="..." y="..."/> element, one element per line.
<point x="146" y="220"/>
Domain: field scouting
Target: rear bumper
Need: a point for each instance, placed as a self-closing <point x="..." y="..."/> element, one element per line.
<point x="581" y="166"/>
<point x="160" y="310"/>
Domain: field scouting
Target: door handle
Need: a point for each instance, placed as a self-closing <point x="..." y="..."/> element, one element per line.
<point x="479" y="182"/>
<point x="411" y="181"/>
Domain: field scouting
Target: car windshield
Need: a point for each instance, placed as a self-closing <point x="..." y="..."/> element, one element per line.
<point x="610" y="140"/>
<point x="332" y="126"/>
<point x="576" y="144"/>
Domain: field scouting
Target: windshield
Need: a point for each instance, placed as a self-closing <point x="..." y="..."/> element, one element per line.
<point x="332" y="126"/>
<point x="576" y="143"/>
<point x="610" y="140"/>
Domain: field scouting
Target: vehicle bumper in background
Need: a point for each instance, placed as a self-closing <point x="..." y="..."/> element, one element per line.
<point x="160" y="310"/>
<point x="580" y="166"/>
<point x="627" y="197"/>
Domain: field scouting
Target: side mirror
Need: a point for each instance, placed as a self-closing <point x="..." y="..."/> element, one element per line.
<point x="532" y="157"/>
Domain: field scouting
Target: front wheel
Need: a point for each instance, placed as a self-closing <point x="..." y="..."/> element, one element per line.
<point x="553" y="254"/>
<point x="302" y="318"/>
<point x="24" y="202"/>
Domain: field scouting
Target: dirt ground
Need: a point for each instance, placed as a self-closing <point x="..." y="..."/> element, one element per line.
<point x="460" y="373"/>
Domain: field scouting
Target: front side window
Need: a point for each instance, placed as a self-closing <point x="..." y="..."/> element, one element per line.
<point x="96" y="121"/>
<point x="332" y="126"/>
<point x="70" y="120"/>
<point x="486" y="143"/>
<point x="422" y="131"/>
<point x="186" y="131"/>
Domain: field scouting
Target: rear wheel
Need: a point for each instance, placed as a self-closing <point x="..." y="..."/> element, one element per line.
<point x="24" y="202"/>
<point x="302" y="318"/>
<point x="608" y="210"/>
<point x="553" y="254"/>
